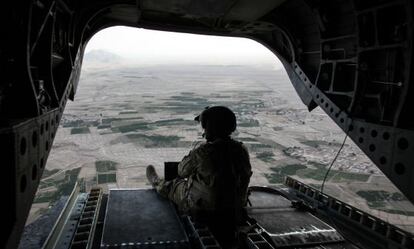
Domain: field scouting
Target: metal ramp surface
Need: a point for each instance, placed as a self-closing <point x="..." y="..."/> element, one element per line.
<point x="141" y="218"/>
<point x="285" y="225"/>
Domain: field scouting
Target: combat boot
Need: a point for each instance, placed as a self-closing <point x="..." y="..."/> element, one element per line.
<point x="152" y="176"/>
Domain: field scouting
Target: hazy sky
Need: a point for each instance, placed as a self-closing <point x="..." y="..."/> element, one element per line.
<point x="158" y="47"/>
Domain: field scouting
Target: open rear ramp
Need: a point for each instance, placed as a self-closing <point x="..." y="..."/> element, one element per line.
<point x="293" y="217"/>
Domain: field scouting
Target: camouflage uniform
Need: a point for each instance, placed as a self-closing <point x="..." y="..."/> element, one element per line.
<point x="213" y="176"/>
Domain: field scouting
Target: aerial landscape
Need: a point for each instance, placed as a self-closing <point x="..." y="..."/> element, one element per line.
<point x="125" y="118"/>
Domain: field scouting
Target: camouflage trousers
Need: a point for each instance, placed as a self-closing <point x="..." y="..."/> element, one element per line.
<point x="176" y="190"/>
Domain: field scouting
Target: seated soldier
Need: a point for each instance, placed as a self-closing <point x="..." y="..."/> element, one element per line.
<point x="213" y="178"/>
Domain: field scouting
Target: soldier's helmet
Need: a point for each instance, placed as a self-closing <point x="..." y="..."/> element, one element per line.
<point x="220" y="119"/>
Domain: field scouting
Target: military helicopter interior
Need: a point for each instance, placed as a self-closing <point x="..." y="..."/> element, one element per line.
<point x="352" y="58"/>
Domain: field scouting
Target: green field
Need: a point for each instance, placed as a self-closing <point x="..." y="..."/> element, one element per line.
<point x="145" y="126"/>
<point x="184" y="103"/>
<point x="153" y="141"/>
<point x="266" y="156"/>
<point x="334" y="175"/>
<point x="254" y="147"/>
<point x="128" y="112"/>
<point x="380" y="199"/>
<point x="141" y="126"/>
<point x="190" y="99"/>
<point x="80" y="130"/>
<point x="279" y="173"/>
<point x="343" y="176"/>
<point x="105" y="166"/>
<point x="380" y="195"/>
<point x="402" y="212"/>
<point x="317" y="173"/>
<point x="106" y="178"/>
<point x="175" y="122"/>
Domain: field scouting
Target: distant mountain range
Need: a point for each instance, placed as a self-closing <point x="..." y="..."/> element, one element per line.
<point x="101" y="56"/>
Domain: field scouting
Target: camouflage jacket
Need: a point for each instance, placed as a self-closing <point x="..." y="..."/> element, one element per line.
<point x="218" y="175"/>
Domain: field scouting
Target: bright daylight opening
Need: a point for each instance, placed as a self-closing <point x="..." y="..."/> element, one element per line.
<point x="139" y="93"/>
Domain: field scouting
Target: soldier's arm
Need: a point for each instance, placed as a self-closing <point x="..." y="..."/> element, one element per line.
<point x="246" y="159"/>
<point x="188" y="165"/>
<point x="191" y="162"/>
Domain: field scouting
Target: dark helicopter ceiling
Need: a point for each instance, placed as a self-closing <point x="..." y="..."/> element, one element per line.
<point x="353" y="58"/>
